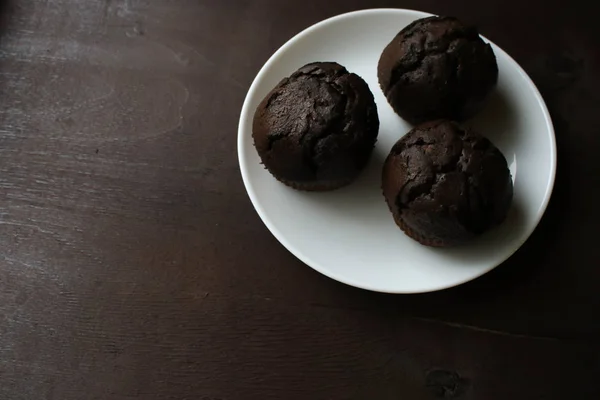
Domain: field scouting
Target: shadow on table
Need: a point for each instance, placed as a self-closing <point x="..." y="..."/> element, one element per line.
<point x="4" y="7"/>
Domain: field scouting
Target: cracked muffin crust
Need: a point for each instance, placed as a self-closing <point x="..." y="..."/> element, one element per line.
<point x="445" y="185"/>
<point x="437" y="67"/>
<point x="316" y="129"/>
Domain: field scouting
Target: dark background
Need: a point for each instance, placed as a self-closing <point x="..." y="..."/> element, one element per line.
<point x="133" y="266"/>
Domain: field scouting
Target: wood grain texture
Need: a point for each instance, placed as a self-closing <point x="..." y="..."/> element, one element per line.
<point x="133" y="266"/>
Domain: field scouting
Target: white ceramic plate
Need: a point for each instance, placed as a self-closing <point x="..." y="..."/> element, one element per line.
<point x="349" y="234"/>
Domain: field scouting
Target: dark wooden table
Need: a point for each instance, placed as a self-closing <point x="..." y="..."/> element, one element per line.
<point x="133" y="266"/>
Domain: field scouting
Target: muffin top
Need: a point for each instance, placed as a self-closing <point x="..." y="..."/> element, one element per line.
<point x="437" y="67"/>
<point x="446" y="183"/>
<point x="320" y="124"/>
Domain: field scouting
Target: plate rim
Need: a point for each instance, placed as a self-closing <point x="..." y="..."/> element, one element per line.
<point x="246" y="112"/>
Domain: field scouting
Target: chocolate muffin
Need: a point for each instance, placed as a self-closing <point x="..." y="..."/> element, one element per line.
<point x="437" y="67"/>
<point x="445" y="185"/>
<point x="316" y="129"/>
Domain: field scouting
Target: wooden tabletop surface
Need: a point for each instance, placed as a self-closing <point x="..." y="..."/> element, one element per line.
<point x="133" y="266"/>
